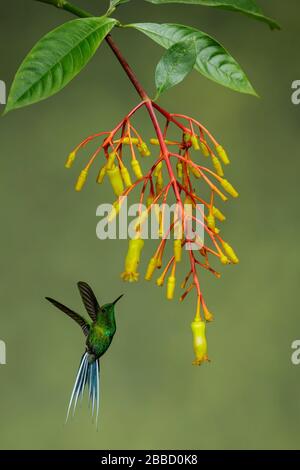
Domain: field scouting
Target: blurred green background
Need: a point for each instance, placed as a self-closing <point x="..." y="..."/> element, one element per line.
<point x="152" y="397"/>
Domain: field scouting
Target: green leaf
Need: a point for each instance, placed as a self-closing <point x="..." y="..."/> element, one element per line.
<point x="213" y="61"/>
<point x="56" y="59"/>
<point x="115" y="3"/>
<point x="248" y="7"/>
<point x="175" y="65"/>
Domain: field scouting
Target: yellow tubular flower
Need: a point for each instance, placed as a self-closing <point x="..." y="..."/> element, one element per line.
<point x="222" y="154"/>
<point x="160" y="225"/>
<point x="204" y="149"/>
<point x="127" y="141"/>
<point x="223" y="197"/>
<point x="111" y="160"/>
<point x="218" y="214"/>
<point x="144" y="150"/>
<point x="81" y="180"/>
<point x="157" y="169"/>
<point x="115" y="179"/>
<point x="157" y="214"/>
<point x="101" y="175"/>
<point x="199" y="342"/>
<point x="70" y="159"/>
<point x="132" y="260"/>
<point x="179" y="170"/>
<point x="207" y="314"/>
<point x="211" y="223"/>
<point x="217" y="165"/>
<point x="230" y="253"/>
<point x="136" y="169"/>
<point x="195" y="142"/>
<point x="171" y="287"/>
<point x="195" y="172"/>
<point x="159" y="182"/>
<point x="177" y="250"/>
<point x="160" y="281"/>
<point x="151" y="268"/>
<point x="156" y="142"/>
<point x="224" y="260"/>
<point x="229" y="188"/>
<point x="126" y="177"/>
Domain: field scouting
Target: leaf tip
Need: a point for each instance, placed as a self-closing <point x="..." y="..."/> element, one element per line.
<point x="253" y="92"/>
<point x="6" y="110"/>
<point x="274" y="26"/>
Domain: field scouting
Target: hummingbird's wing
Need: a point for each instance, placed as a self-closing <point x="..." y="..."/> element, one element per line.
<point x="89" y="300"/>
<point x="79" y="319"/>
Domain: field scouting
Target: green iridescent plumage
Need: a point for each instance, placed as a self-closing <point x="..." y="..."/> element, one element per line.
<point x="102" y="331"/>
<point x="99" y="333"/>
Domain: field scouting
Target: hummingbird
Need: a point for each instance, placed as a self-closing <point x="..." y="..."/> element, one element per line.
<point x="99" y="333"/>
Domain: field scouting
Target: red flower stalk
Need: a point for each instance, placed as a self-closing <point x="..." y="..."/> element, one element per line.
<point x="185" y="176"/>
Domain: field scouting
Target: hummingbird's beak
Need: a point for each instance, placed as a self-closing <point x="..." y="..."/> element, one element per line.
<point x="114" y="303"/>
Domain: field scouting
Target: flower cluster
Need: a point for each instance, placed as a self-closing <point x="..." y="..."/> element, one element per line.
<point x="186" y="161"/>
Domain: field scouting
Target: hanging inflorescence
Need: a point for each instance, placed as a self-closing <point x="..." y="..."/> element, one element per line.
<point x="183" y="159"/>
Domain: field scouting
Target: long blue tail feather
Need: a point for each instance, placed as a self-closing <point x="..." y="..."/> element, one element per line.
<point x="81" y="384"/>
<point x="88" y="374"/>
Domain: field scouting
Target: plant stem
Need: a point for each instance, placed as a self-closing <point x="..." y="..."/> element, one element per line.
<point x="65" y="5"/>
<point x="76" y="10"/>
<point x="149" y="105"/>
<point x="131" y="75"/>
